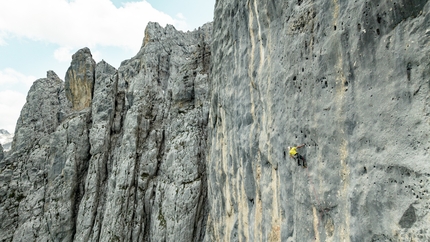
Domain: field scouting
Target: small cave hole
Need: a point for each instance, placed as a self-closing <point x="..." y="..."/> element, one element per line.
<point x="334" y="27"/>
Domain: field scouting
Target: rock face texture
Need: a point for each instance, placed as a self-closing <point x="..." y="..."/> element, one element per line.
<point x="187" y="141"/>
<point x="80" y="79"/>
<point x="24" y="171"/>
<point x="348" y="78"/>
<point x="122" y="158"/>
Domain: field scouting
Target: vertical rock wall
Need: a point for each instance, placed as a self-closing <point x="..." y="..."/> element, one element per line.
<point x="24" y="171"/>
<point x="156" y="186"/>
<point x="122" y="158"/>
<point x="348" y="78"/>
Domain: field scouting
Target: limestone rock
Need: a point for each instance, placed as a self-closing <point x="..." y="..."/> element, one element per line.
<point x="90" y="213"/>
<point x="24" y="171"/>
<point x="348" y="78"/>
<point x="156" y="173"/>
<point x="128" y="167"/>
<point x="44" y="110"/>
<point x="80" y="79"/>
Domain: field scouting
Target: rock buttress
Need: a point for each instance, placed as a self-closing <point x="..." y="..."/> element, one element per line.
<point x="156" y="186"/>
<point x="24" y="170"/>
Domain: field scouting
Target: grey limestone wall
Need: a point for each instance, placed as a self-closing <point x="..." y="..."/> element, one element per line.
<point x="350" y="79"/>
<point x="114" y="155"/>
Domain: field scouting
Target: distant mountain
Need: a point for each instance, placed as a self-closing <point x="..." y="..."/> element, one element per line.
<point x="6" y="139"/>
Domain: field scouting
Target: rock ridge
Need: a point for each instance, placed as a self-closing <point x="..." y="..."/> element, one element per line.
<point x="114" y="155"/>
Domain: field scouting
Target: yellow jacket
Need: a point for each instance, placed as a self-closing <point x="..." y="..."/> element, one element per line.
<point x="293" y="151"/>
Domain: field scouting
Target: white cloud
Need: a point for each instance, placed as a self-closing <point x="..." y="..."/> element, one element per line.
<point x="13" y="91"/>
<point x="97" y="55"/>
<point x="2" y="38"/>
<point x="11" y="103"/>
<point x="81" y="23"/>
<point x="63" y="54"/>
<point x="180" y="16"/>
<point x="10" y="78"/>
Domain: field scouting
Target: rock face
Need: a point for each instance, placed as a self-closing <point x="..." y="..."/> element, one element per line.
<point x="80" y="79"/>
<point x="348" y="78"/>
<point x="122" y="158"/>
<point x="187" y="141"/>
<point x="23" y="176"/>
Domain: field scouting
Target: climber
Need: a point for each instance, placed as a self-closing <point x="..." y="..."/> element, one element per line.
<point x="294" y="154"/>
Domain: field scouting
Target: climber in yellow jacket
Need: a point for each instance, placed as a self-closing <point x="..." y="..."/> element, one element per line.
<point x="295" y="155"/>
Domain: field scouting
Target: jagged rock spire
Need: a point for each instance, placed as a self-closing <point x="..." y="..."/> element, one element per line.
<point x="80" y="79"/>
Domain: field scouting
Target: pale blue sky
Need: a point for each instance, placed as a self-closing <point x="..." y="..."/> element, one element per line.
<point x="41" y="35"/>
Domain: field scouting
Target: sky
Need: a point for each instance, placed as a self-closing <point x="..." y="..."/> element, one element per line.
<point x="41" y="35"/>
